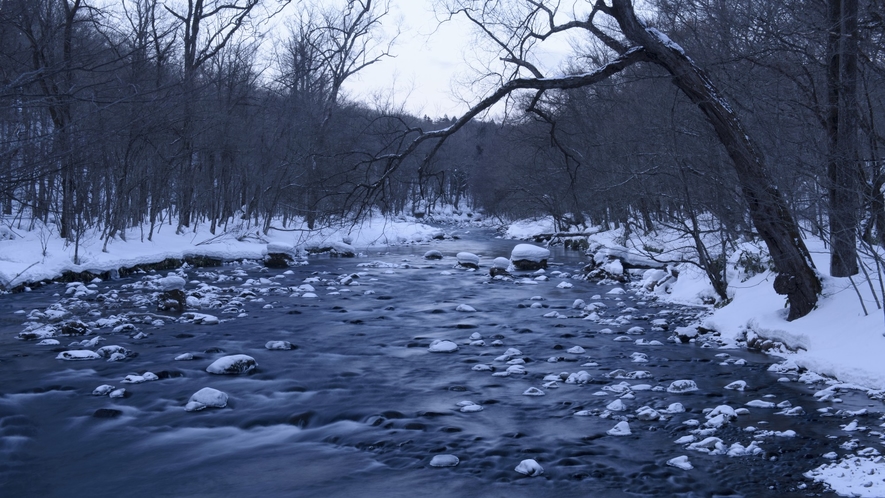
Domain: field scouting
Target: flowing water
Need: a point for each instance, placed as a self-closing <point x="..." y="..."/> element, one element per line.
<point x="361" y="406"/>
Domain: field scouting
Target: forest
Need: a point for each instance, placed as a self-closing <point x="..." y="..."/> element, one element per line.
<point x="722" y="120"/>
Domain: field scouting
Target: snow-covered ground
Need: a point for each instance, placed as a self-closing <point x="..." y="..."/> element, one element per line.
<point x="32" y="256"/>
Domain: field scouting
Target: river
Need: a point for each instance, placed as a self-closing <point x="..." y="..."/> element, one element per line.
<point x="361" y="406"/>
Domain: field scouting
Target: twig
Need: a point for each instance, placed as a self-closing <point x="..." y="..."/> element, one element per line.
<point x="859" y="297"/>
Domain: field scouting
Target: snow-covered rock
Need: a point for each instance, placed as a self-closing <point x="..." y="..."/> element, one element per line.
<point x="433" y="254"/>
<point x="529" y="467"/>
<point x="279" y="345"/>
<point x="444" y="461"/>
<point x="233" y="365"/>
<point x="682" y="386"/>
<point x="620" y="429"/>
<point x="206" y="397"/>
<point x="529" y="257"/>
<point x="171" y="282"/>
<point x="442" y="346"/>
<point x="680" y="462"/>
<point x="468" y="260"/>
<point x="78" y="355"/>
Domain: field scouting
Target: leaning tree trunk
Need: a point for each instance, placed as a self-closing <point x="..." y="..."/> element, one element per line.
<point x="796" y="278"/>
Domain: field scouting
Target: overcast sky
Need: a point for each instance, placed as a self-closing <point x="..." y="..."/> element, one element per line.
<point x="432" y="63"/>
<point x="429" y="57"/>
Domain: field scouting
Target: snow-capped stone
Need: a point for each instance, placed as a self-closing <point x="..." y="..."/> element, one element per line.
<point x="581" y="377"/>
<point x="48" y="342"/>
<point x="576" y="350"/>
<point x="758" y="403"/>
<point x="616" y="406"/>
<point x="501" y="263"/>
<point x="117" y="393"/>
<point x="533" y="391"/>
<point x="442" y="346"/>
<point x="675" y="408"/>
<point x="468" y="260"/>
<point x="232" y="365"/>
<point x="680" y="462"/>
<point x="738" y="385"/>
<point x="279" y="345"/>
<point x="738" y="450"/>
<point x="78" y="355"/>
<point x="107" y="351"/>
<point x="465" y="308"/>
<point x="433" y="254"/>
<point x="184" y="357"/>
<point x="471" y="408"/>
<point x="529" y="257"/>
<point x="200" y="318"/>
<point x="529" y="467"/>
<point x="711" y="445"/>
<point x="564" y="285"/>
<point x="620" y="429"/>
<point x="103" y="390"/>
<point x="682" y="386"/>
<point x="647" y="414"/>
<point x="206" y="397"/>
<point x="171" y="282"/>
<point x="444" y="461"/>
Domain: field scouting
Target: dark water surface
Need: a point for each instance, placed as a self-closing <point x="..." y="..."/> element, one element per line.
<point x="361" y="406"/>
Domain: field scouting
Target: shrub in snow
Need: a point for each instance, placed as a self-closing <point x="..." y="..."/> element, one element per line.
<point x="233" y="365"/>
<point x="529" y="257"/>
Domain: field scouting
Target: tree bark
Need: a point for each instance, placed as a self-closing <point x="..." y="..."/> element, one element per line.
<point x="842" y="142"/>
<point x="771" y="216"/>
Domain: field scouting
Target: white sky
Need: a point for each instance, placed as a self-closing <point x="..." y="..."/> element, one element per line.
<point x="432" y="63"/>
<point x="429" y="57"/>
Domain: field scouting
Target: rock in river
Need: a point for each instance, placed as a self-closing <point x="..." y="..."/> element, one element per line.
<point x="233" y="365"/>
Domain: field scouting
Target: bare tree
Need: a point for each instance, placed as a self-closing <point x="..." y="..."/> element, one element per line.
<point x="515" y="31"/>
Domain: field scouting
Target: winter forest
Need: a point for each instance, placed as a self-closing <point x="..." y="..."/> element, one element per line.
<point x="738" y="141"/>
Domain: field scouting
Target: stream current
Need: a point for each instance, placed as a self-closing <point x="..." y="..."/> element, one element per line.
<point x="361" y="406"/>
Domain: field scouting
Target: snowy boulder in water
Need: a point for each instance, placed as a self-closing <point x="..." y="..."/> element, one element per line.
<point x="433" y="254"/>
<point x="682" y="386"/>
<point x="279" y="255"/>
<point x="279" y="345"/>
<point x="529" y="257"/>
<point x="343" y="250"/>
<point x="500" y="266"/>
<point x="200" y="318"/>
<point x="233" y="365"/>
<point x="529" y="467"/>
<point x="444" y="461"/>
<point x="206" y="398"/>
<point x="465" y="308"/>
<point x="468" y="260"/>
<point x="680" y="462"/>
<point x="108" y="351"/>
<point x="620" y="429"/>
<point x="172" y="282"/>
<point x="77" y="355"/>
<point x="442" y="346"/>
